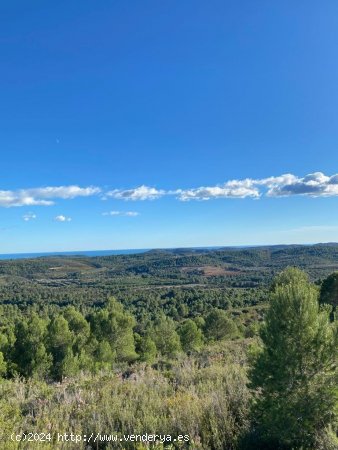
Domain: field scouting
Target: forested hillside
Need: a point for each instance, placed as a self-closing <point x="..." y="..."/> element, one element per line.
<point x="217" y="346"/>
<point x="163" y="279"/>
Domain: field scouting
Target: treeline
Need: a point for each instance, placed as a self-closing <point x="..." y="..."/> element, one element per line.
<point x="54" y="344"/>
<point x="175" y="302"/>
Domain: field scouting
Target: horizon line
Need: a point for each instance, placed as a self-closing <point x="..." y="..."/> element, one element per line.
<point x="147" y="249"/>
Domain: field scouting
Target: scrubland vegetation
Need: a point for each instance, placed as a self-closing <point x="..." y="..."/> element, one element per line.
<point x="248" y="374"/>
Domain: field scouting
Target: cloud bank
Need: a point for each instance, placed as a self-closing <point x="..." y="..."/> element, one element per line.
<point x="315" y="184"/>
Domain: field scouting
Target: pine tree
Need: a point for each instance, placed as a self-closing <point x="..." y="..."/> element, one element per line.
<point x="114" y="325"/>
<point x="79" y="327"/>
<point x="165" y="337"/>
<point x="295" y="371"/>
<point x="219" y="326"/>
<point x="60" y="343"/>
<point x="190" y="335"/>
<point x="30" y="356"/>
<point x="146" y="349"/>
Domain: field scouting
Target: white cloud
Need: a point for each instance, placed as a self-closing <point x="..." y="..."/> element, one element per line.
<point x="20" y="198"/>
<point x="275" y="181"/>
<point x="140" y="193"/>
<point x="62" y="218"/>
<point x="314" y="185"/>
<point x="64" y="192"/>
<point x="121" y="213"/>
<point x="29" y="216"/>
<point x="43" y="196"/>
<point x="230" y="189"/>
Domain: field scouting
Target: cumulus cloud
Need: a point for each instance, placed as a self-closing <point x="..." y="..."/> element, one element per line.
<point x="62" y="218"/>
<point x="231" y="189"/>
<point x="121" y="213"/>
<point x="44" y="196"/>
<point x="275" y="181"/>
<point x="21" y="198"/>
<point x="314" y="185"/>
<point x="29" y="216"/>
<point x="140" y="193"/>
<point x="64" y="192"/>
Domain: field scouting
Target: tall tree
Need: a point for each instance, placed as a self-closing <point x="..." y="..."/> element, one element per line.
<point x="295" y="370"/>
<point x="190" y="335"/>
<point x="145" y="348"/>
<point x="219" y="326"/>
<point x="30" y="355"/>
<point x="165" y="336"/>
<point x="60" y="344"/>
<point x="79" y="327"/>
<point x="114" y="325"/>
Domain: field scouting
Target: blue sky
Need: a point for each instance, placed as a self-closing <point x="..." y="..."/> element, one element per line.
<point x="132" y="124"/>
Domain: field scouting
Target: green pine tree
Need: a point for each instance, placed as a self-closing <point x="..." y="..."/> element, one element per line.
<point x="219" y="326"/>
<point x="190" y="335"/>
<point x="60" y="344"/>
<point x="146" y="349"/>
<point x="294" y="373"/>
<point x="165" y="337"/>
<point x="30" y="356"/>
